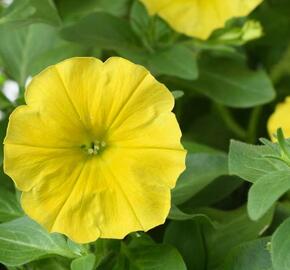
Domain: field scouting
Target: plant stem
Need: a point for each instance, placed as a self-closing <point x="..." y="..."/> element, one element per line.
<point x="230" y="122"/>
<point x="253" y="124"/>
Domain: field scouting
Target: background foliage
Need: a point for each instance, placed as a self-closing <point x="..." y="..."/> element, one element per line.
<point x="231" y="207"/>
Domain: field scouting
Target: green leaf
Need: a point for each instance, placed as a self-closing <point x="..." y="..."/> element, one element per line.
<point x="86" y="262"/>
<point x="4" y="101"/>
<point x="262" y="166"/>
<point x="177" y="94"/>
<point x="221" y="188"/>
<point x="280" y="246"/>
<point x="3" y="126"/>
<point x="73" y="9"/>
<point x="201" y="170"/>
<point x="250" y="162"/>
<point x="230" y="82"/>
<point x="9" y="206"/>
<point x="103" y="31"/>
<point x="58" y="263"/>
<point x="148" y="257"/>
<point x="22" y="241"/>
<point x="176" y="60"/>
<point x="137" y="252"/>
<point x="266" y="191"/>
<point x="188" y="238"/>
<point x="177" y="214"/>
<point x="232" y="229"/>
<point x="26" y="51"/>
<point x="30" y="11"/>
<point x="252" y="255"/>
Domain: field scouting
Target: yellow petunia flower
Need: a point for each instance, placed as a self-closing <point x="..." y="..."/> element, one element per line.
<point x="280" y="119"/>
<point x="198" y="18"/>
<point x="96" y="149"/>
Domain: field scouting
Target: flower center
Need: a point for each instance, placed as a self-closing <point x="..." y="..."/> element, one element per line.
<point x="94" y="148"/>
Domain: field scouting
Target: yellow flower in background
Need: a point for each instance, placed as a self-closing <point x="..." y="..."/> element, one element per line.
<point x="96" y="149"/>
<point x="199" y="18"/>
<point x="280" y="119"/>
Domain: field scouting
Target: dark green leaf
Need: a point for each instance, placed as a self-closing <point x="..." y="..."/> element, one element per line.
<point x="232" y="229"/>
<point x="102" y="30"/>
<point x="187" y="237"/>
<point x="9" y="206"/>
<point x="73" y="9"/>
<point x="230" y="82"/>
<point x="201" y="170"/>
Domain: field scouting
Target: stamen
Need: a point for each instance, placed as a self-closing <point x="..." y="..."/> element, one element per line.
<point x="94" y="148"/>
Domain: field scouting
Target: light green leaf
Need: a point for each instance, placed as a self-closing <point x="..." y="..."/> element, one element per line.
<point x="201" y="170"/>
<point x="280" y="247"/>
<point x="260" y="165"/>
<point x="266" y="191"/>
<point x="30" y="11"/>
<point x="84" y="263"/>
<point x="22" y="241"/>
<point x="26" y="51"/>
<point x="250" y="161"/>
<point x="252" y="255"/>
<point x="9" y="206"/>
<point x="177" y="94"/>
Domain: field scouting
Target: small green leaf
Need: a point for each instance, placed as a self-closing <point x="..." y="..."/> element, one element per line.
<point x="266" y="191"/>
<point x="22" y="241"/>
<point x="177" y="94"/>
<point x="84" y="263"/>
<point x="280" y="246"/>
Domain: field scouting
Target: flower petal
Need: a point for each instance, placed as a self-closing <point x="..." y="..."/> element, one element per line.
<point x="199" y="18"/>
<point x="280" y="119"/>
<point x="104" y="97"/>
<point x="29" y="165"/>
